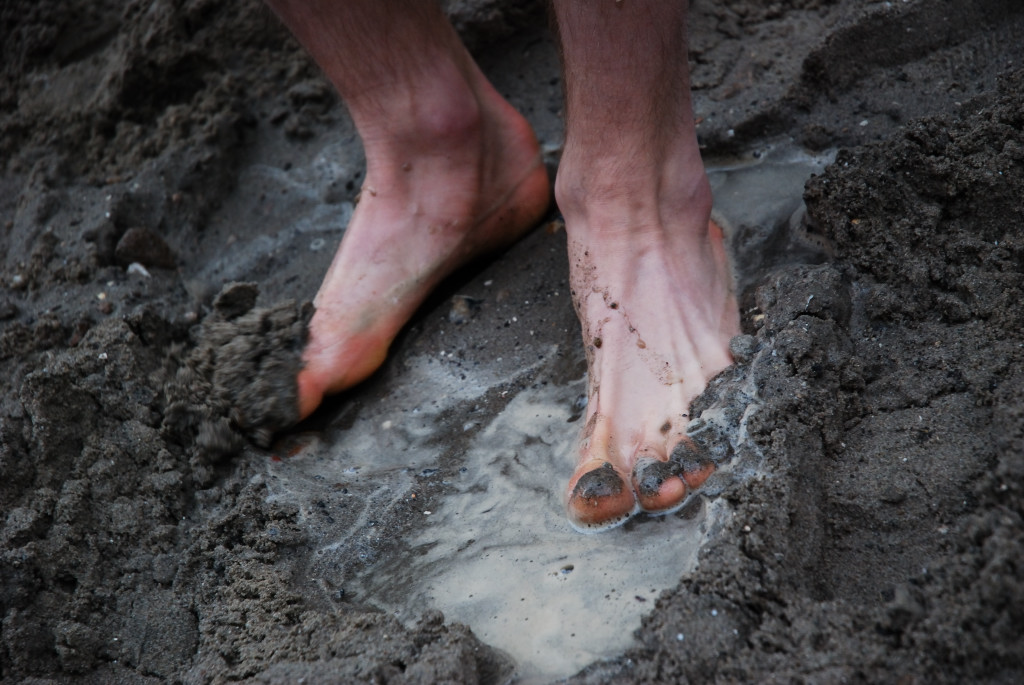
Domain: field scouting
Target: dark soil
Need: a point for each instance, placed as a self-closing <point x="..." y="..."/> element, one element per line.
<point x="884" y="543"/>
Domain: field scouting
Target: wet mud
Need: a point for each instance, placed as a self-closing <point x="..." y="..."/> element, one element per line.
<point x="864" y="521"/>
<point x="237" y="381"/>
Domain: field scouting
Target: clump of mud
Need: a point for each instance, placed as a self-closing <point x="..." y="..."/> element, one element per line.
<point x="238" y="380"/>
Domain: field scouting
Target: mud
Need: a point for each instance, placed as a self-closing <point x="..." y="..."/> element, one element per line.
<point x="867" y="521"/>
<point x="238" y="378"/>
<point x="602" y="483"/>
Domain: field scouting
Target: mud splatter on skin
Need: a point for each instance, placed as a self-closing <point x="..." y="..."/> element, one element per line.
<point x="649" y="476"/>
<point x="598" y="483"/>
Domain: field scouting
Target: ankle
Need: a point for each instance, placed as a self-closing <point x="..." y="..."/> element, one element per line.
<point x="625" y="193"/>
<point x="439" y="112"/>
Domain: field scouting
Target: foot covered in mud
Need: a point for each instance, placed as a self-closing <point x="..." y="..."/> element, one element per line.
<point x="657" y="308"/>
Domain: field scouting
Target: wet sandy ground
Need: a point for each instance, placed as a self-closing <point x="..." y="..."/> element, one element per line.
<point x="867" y="525"/>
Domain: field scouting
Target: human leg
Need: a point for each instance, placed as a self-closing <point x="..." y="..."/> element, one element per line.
<point x="649" y="274"/>
<point x="453" y="173"/>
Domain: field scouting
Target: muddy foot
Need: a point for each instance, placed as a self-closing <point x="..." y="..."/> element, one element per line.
<point x="657" y="317"/>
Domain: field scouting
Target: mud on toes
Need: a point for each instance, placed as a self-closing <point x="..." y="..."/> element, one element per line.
<point x="600" y="499"/>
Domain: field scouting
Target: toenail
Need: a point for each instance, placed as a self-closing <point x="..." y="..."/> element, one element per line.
<point x="604" y="481"/>
<point x="688" y="457"/>
<point x="649" y="475"/>
<point x="692" y="464"/>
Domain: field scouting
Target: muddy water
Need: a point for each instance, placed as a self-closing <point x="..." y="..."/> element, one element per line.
<point x="495" y="551"/>
<point x="759" y="201"/>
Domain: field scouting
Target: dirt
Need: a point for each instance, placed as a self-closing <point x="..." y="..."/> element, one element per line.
<point x="154" y="153"/>
<point x="238" y="381"/>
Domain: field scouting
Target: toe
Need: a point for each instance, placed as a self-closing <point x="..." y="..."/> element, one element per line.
<point x="692" y="464"/>
<point x="311" y="392"/>
<point x="658" y="485"/>
<point x="600" y="498"/>
<point x="341" y="362"/>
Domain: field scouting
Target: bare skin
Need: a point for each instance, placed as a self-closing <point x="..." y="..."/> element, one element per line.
<point x="453" y="173"/>
<point x="649" y="273"/>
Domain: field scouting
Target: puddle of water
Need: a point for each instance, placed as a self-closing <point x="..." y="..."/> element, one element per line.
<point x="764" y="189"/>
<point x="500" y="556"/>
<point x="497" y="553"/>
<point x="759" y="202"/>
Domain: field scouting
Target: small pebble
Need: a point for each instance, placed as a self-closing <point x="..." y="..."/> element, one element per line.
<point x="742" y="348"/>
<point x="136" y="268"/>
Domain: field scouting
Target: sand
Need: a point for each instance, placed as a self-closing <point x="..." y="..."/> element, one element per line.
<point x="154" y="153"/>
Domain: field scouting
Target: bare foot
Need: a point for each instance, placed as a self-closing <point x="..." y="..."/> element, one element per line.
<point x="460" y="181"/>
<point x="654" y="295"/>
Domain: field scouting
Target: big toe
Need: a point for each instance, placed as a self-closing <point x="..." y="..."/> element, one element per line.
<point x="600" y="498"/>
<point x="310" y="392"/>
<point x="330" y="368"/>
